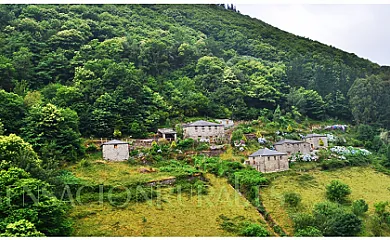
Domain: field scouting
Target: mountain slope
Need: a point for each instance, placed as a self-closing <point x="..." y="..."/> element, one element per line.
<point x="137" y="67"/>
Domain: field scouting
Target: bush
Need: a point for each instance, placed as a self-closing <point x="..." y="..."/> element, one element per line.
<point x="254" y="230"/>
<point x="302" y="221"/>
<point x="333" y="164"/>
<point x="337" y="191"/>
<point x="333" y="220"/>
<point x="185" y="144"/>
<point x="292" y="199"/>
<point x="359" y="207"/>
<point x="91" y="148"/>
<point x="308" y="232"/>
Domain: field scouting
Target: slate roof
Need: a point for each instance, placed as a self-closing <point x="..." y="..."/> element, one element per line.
<point x="266" y="152"/>
<point x="166" y="130"/>
<point x="113" y="142"/>
<point x="288" y="141"/>
<point x="314" y="135"/>
<point x="201" y="123"/>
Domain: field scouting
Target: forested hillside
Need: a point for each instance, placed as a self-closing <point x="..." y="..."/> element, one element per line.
<point x="134" y="68"/>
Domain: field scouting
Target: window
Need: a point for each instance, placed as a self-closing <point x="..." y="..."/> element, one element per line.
<point x="203" y="129"/>
<point x="210" y="128"/>
<point x="268" y="158"/>
<point x="115" y="145"/>
<point x="196" y="129"/>
<point x="274" y="157"/>
<point x="280" y="157"/>
<point x="216" y="127"/>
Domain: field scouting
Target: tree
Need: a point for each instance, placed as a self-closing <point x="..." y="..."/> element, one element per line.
<point x="23" y="207"/>
<point x="15" y="152"/>
<point x="337" y="191"/>
<point x="359" y="207"/>
<point x="308" y="102"/>
<point x="53" y="132"/>
<point x="369" y="100"/>
<point x="11" y="111"/>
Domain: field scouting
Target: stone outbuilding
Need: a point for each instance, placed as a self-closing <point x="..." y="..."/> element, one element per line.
<point x="316" y="141"/>
<point x="167" y="133"/>
<point x="204" y="131"/>
<point x="292" y="146"/>
<point x="266" y="160"/>
<point x="115" y="150"/>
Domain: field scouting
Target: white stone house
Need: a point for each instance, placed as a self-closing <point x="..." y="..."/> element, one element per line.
<point x="266" y="160"/>
<point x="204" y="131"/>
<point x="292" y="147"/>
<point x="115" y="150"/>
<point x="315" y="141"/>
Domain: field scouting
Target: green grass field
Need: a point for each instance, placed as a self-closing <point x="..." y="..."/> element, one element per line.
<point x="171" y="215"/>
<point x="365" y="183"/>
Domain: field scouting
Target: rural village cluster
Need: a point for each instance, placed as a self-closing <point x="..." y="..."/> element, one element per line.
<point x="264" y="160"/>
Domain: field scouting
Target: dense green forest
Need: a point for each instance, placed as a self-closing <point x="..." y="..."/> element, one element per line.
<point x="137" y="67"/>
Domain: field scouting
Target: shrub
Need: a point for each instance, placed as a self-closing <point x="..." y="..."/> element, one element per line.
<point x="91" y="148"/>
<point x="186" y="143"/>
<point x="333" y="164"/>
<point x="337" y="191"/>
<point x="254" y="230"/>
<point x="308" y="232"/>
<point x="292" y="199"/>
<point x="302" y="221"/>
<point x="333" y="220"/>
<point x="359" y="207"/>
<point x="85" y="163"/>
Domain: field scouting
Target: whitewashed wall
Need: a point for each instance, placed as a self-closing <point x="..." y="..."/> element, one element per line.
<point x="116" y="154"/>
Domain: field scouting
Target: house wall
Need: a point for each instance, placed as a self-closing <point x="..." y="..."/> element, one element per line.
<point x="116" y="154"/>
<point x="268" y="164"/>
<point x="291" y="148"/>
<point x="207" y="132"/>
<point x="315" y="142"/>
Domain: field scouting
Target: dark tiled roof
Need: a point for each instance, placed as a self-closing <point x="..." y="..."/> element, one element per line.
<point x="202" y="123"/>
<point x="266" y="152"/>
<point x="288" y="141"/>
<point x="113" y="142"/>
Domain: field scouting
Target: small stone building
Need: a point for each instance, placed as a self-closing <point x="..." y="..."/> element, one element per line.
<point x="204" y="131"/>
<point x="115" y="150"/>
<point x="292" y="146"/>
<point x="167" y="133"/>
<point x="266" y="160"/>
<point x="316" y="141"/>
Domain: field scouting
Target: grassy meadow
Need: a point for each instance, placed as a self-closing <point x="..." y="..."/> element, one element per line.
<point x="365" y="184"/>
<point x="170" y="214"/>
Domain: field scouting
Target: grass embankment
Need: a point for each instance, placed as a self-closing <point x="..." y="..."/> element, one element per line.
<point x="170" y="215"/>
<point x="365" y="183"/>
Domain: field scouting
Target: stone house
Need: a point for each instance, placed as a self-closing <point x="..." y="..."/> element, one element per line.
<point x="266" y="160"/>
<point x="115" y="150"/>
<point x="204" y="131"/>
<point x="227" y="123"/>
<point x="292" y="146"/>
<point x="316" y="141"/>
<point x="167" y="133"/>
